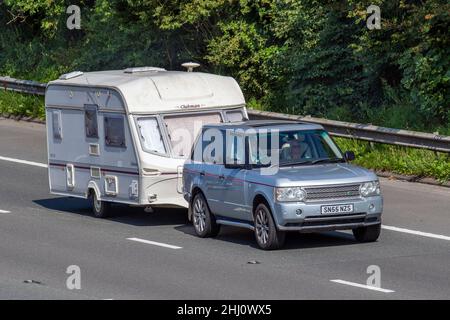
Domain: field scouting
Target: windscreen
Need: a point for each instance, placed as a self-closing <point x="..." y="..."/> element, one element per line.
<point x="294" y="147"/>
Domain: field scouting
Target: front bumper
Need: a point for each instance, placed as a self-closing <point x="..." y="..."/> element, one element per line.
<point x="307" y="217"/>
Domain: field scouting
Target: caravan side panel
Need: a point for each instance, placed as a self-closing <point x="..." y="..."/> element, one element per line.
<point x="90" y="143"/>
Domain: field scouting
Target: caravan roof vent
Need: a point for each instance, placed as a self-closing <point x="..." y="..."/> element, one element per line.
<point x="67" y="76"/>
<point x="190" y="66"/>
<point x="143" y="69"/>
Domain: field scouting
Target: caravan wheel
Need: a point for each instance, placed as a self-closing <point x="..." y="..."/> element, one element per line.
<point x="100" y="208"/>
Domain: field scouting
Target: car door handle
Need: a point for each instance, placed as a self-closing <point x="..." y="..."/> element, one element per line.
<point x="202" y="173"/>
<point x="221" y="177"/>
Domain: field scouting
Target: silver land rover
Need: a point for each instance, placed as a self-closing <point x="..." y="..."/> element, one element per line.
<point x="278" y="176"/>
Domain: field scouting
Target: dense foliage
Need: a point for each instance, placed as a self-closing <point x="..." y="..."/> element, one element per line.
<point x="297" y="56"/>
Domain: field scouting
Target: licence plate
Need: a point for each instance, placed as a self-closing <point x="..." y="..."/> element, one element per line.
<point x="342" y="208"/>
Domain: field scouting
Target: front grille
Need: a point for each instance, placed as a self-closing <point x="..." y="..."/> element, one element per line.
<point x="350" y="191"/>
<point x="329" y="220"/>
<point x="332" y="222"/>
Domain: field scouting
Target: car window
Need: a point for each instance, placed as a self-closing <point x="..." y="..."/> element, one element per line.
<point x="296" y="146"/>
<point x="293" y="146"/>
<point x="235" y="147"/>
<point x="260" y="148"/>
<point x="209" y="147"/>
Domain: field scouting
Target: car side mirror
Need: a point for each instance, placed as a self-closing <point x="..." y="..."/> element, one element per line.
<point x="349" y="156"/>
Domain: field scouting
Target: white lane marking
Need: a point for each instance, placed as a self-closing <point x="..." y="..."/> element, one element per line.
<point x="165" y="245"/>
<point x="30" y="163"/>
<point x="354" y="284"/>
<point x="417" y="233"/>
<point x="5" y="211"/>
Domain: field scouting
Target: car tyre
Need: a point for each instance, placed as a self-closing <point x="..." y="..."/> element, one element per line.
<point x="367" y="234"/>
<point x="268" y="237"/>
<point x="101" y="209"/>
<point x="203" y="220"/>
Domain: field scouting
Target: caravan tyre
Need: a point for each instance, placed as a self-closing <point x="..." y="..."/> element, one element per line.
<point x="100" y="208"/>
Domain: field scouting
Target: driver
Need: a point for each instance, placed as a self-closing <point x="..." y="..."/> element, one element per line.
<point x="295" y="149"/>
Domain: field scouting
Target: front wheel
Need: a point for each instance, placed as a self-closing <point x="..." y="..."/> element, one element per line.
<point x="100" y="208"/>
<point x="367" y="234"/>
<point x="203" y="220"/>
<point x="267" y="235"/>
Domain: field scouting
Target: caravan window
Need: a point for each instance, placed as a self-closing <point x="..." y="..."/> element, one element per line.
<point x="235" y="116"/>
<point x="151" y="138"/>
<point x="56" y="121"/>
<point x="90" y="122"/>
<point x="183" y="129"/>
<point x="114" y="131"/>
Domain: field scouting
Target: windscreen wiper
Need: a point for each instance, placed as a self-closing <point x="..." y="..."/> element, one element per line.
<point x="330" y="160"/>
<point x="286" y="164"/>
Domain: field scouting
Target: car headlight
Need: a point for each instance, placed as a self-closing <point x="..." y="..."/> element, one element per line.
<point x="371" y="188"/>
<point x="290" y="194"/>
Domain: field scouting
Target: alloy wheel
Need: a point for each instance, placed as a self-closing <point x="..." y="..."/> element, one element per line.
<point x="199" y="215"/>
<point x="262" y="226"/>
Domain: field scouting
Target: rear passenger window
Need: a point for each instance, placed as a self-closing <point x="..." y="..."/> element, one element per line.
<point x="114" y="131"/>
<point x="209" y="146"/>
<point x="90" y="122"/>
<point x="235" y="148"/>
<point x="212" y="146"/>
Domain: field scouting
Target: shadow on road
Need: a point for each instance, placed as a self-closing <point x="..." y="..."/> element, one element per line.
<point x="294" y="240"/>
<point x="178" y="218"/>
<point x="66" y="204"/>
<point x="135" y="216"/>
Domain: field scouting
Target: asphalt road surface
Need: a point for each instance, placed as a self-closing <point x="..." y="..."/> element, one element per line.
<point x="42" y="235"/>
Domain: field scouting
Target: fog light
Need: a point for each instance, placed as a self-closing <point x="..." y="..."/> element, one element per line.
<point x="371" y="206"/>
<point x="298" y="212"/>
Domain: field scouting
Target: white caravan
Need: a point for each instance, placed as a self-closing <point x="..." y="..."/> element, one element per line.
<point x="122" y="136"/>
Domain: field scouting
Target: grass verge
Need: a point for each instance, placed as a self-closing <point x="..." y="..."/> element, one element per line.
<point x="23" y="105"/>
<point x="397" y="159"/>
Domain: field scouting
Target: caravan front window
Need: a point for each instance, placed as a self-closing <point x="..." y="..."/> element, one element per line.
<point x="151" y="138"/>
<point x="184" y="128"/>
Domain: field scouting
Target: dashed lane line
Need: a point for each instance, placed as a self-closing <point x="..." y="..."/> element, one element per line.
<point x="363" y="286"/>
<point x="30" y="163"/>
<point x="160" y="244"/>
<point x="417" y="233"/>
